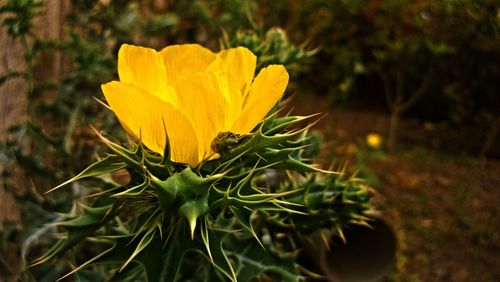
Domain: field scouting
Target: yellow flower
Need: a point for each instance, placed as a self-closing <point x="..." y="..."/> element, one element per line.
<point x="374" y="140"/>
<point x="190" y="94"/>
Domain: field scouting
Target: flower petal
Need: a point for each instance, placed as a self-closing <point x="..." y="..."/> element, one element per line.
<point x="183" y="60"/>
<point x="240" y="64"/>
<point x="149" y="118"/>
<point x="233" y="100"/>
<point x="143" y="67"/>
<point x="203" y="98"/>
<point x="266" y="90"/>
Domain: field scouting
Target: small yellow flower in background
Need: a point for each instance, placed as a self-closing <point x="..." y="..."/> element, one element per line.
<point x="190" y="94"/>
<point x="374" y="140"/>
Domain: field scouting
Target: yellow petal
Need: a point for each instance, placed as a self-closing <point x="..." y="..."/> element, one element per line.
<point x="240" y="64"/>
<point x="143" y="67"/>
<point x="233" y="100"/>
<point x="149" y="118"/>
<point x="203" y="99"/>
<point x="266" y="90"/>
<point x="183" y="60"/>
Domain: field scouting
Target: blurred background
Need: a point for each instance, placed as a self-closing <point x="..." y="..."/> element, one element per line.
<point x="410" y="92"/>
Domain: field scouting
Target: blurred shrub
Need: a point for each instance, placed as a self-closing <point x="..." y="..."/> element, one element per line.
<point x="19" y="15"/>
<point x="272" y="47"/>
<point x="372" y="48"/>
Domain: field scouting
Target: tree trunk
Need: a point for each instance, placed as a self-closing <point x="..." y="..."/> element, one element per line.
<point x="13" y="108"/>
<point x="13" y="112"/>
<point x="393" y="131"/>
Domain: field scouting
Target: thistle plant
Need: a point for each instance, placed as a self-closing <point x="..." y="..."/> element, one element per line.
<point x="220" y="185"/>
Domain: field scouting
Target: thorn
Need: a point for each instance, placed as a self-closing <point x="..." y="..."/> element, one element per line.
<point x="192" y="225"/>
<point x="102" y="103"/>
<point x="341" y="234"/>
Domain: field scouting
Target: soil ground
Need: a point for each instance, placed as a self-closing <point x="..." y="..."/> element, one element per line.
<point x="443" y="205"/>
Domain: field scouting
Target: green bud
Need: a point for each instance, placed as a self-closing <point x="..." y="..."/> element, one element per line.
<point x="182" y="185"/>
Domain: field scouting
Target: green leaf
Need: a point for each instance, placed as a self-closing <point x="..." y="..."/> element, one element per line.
<point x="73" y="237"/>
<point x="146" y="239"/>
<point x="220" y="260"/>
<point x="161" y="261"/>
<point x="88" y="277"/>
<point x="176" y="251"/>
<point x="78" y="229"/>
<point x="253" y="261"/>
<point x="91" y="216"/>
<point x="108" y="164"/>
<point x="132" y="273"/>
<point x="244" y="218"/>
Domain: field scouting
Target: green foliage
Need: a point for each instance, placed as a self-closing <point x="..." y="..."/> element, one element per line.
<point x="370" y="49"/>
<point x="273" y="47"/>
<point x="220" y="211"/>
<point x="19" y="15"/>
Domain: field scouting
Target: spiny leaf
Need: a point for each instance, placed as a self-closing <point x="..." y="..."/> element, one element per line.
<point x="73" y="237"/>
<point x="173" y="256"/>
<point x="88" y="262"/>
<point x="244" y="218"/>
<point x="146" y="239"/>
<point x="79" y="229"/>
<point x="204" y="230"/>
<point x="91" y="216"/>
<point x="159" y="262"/>
<point x="134" y="190"/>
<point x="297" y="165"/>
<point x="254" y="261"/>
<point x="108" y="164"/>
<point x="219" y="255"/>
<point x="132" y="273"/>
<point x="125" y="155"/>
<point x="276" y="125"/>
